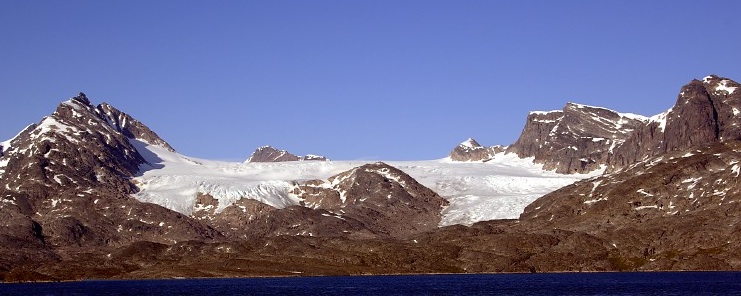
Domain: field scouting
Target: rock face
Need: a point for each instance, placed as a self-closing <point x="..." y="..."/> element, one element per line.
<point x="470" y="150"/>
<point x="130" y="127"/>
<point x="705" y="112"/>
<point x="577" y="139"/>
<point x="384" y="199"/>
<point x="270" y="154"/>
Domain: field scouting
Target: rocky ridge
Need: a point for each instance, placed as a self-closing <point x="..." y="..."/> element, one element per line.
<point x="577" y="139"/>
<point x="270" y="154"/>
<point x="706" y="111"/>
<point x="470" y="150"/>
<point x="386" y="200"/>
<point x="582" y="138"/>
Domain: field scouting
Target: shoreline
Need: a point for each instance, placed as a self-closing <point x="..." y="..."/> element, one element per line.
<point x="363" y="275"/>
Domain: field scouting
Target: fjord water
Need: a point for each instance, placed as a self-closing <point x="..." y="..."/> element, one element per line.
<point x="651" y="283"/>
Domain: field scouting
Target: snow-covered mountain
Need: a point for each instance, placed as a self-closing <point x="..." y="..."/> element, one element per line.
<point x="67" y="181"/>
<point x="90" y="188"/>
<point x="470" y="150"/>
<point x="270" y="154"/>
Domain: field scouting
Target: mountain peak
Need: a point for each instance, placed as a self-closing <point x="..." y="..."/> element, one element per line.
<point x="470" y="143"/>
<point x="577" y="139"/>
<point x="268" y="153"/>
<point x="82" y="98"/>
<point x="470" y="150"/>
<point x="721" y="85"/>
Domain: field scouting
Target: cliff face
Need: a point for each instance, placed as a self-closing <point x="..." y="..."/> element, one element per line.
<point x="577" y="139"/>
<point x="705" y="112"/>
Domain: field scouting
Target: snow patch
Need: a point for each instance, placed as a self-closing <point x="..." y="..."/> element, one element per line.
<point x="544" y="112"/>
<point x="661" y="119"/>
<point x="723" y="87"/>
<point x="470" y="144"/>
<point x="642" y="191"/>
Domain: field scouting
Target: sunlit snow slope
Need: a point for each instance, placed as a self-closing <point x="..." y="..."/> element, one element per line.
<point x="497" y="189"/>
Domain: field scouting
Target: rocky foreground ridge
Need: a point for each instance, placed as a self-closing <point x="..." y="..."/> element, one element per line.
<point x="668" y="201"/>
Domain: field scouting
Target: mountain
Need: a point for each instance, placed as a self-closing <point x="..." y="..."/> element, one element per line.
<point x="370" y="201"/>
<point x="470" y="150"/>
<point x="706" y="111"/>
<point x="89" y="192"/>
<point x="577" y="139"/>
<point x="383" y="198"/>
<point x="66" y="183"/>
<point x="270" y="154"/>
<point x="670" y="199"/>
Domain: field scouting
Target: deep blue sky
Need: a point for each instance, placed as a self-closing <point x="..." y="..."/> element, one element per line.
<point x="375" y="79"/>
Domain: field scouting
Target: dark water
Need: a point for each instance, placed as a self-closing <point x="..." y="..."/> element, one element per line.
<point x="674" y="283"/>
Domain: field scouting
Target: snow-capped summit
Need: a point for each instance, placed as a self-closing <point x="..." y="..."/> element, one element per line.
<point x="470" y="150"/>
<point x="72" y="174"/>
<point x="470" y="143"/>
<point x="270" y="154"/>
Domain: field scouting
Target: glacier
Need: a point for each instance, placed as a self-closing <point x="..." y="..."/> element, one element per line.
<point x="477" y="191"/>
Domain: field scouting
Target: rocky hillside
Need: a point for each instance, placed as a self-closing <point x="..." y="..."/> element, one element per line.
<point x="270" y="154"/>
<point x="386" y="200"/>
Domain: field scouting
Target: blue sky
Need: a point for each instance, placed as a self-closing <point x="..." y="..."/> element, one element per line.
<point x="394" y="80"/>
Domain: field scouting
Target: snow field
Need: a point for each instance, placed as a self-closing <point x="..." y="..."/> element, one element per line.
<point x="497" y="189"/>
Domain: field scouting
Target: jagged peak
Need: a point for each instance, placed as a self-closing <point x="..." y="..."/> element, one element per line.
<point x="715" y="83"/>
<point x="79" y="102"/>
<point x="82" y="98"/>
<point x="710" y="78"/>
<point x="470" y="143"/>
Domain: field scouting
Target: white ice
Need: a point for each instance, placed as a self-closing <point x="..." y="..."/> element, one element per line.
<point x="497" y="189"/>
